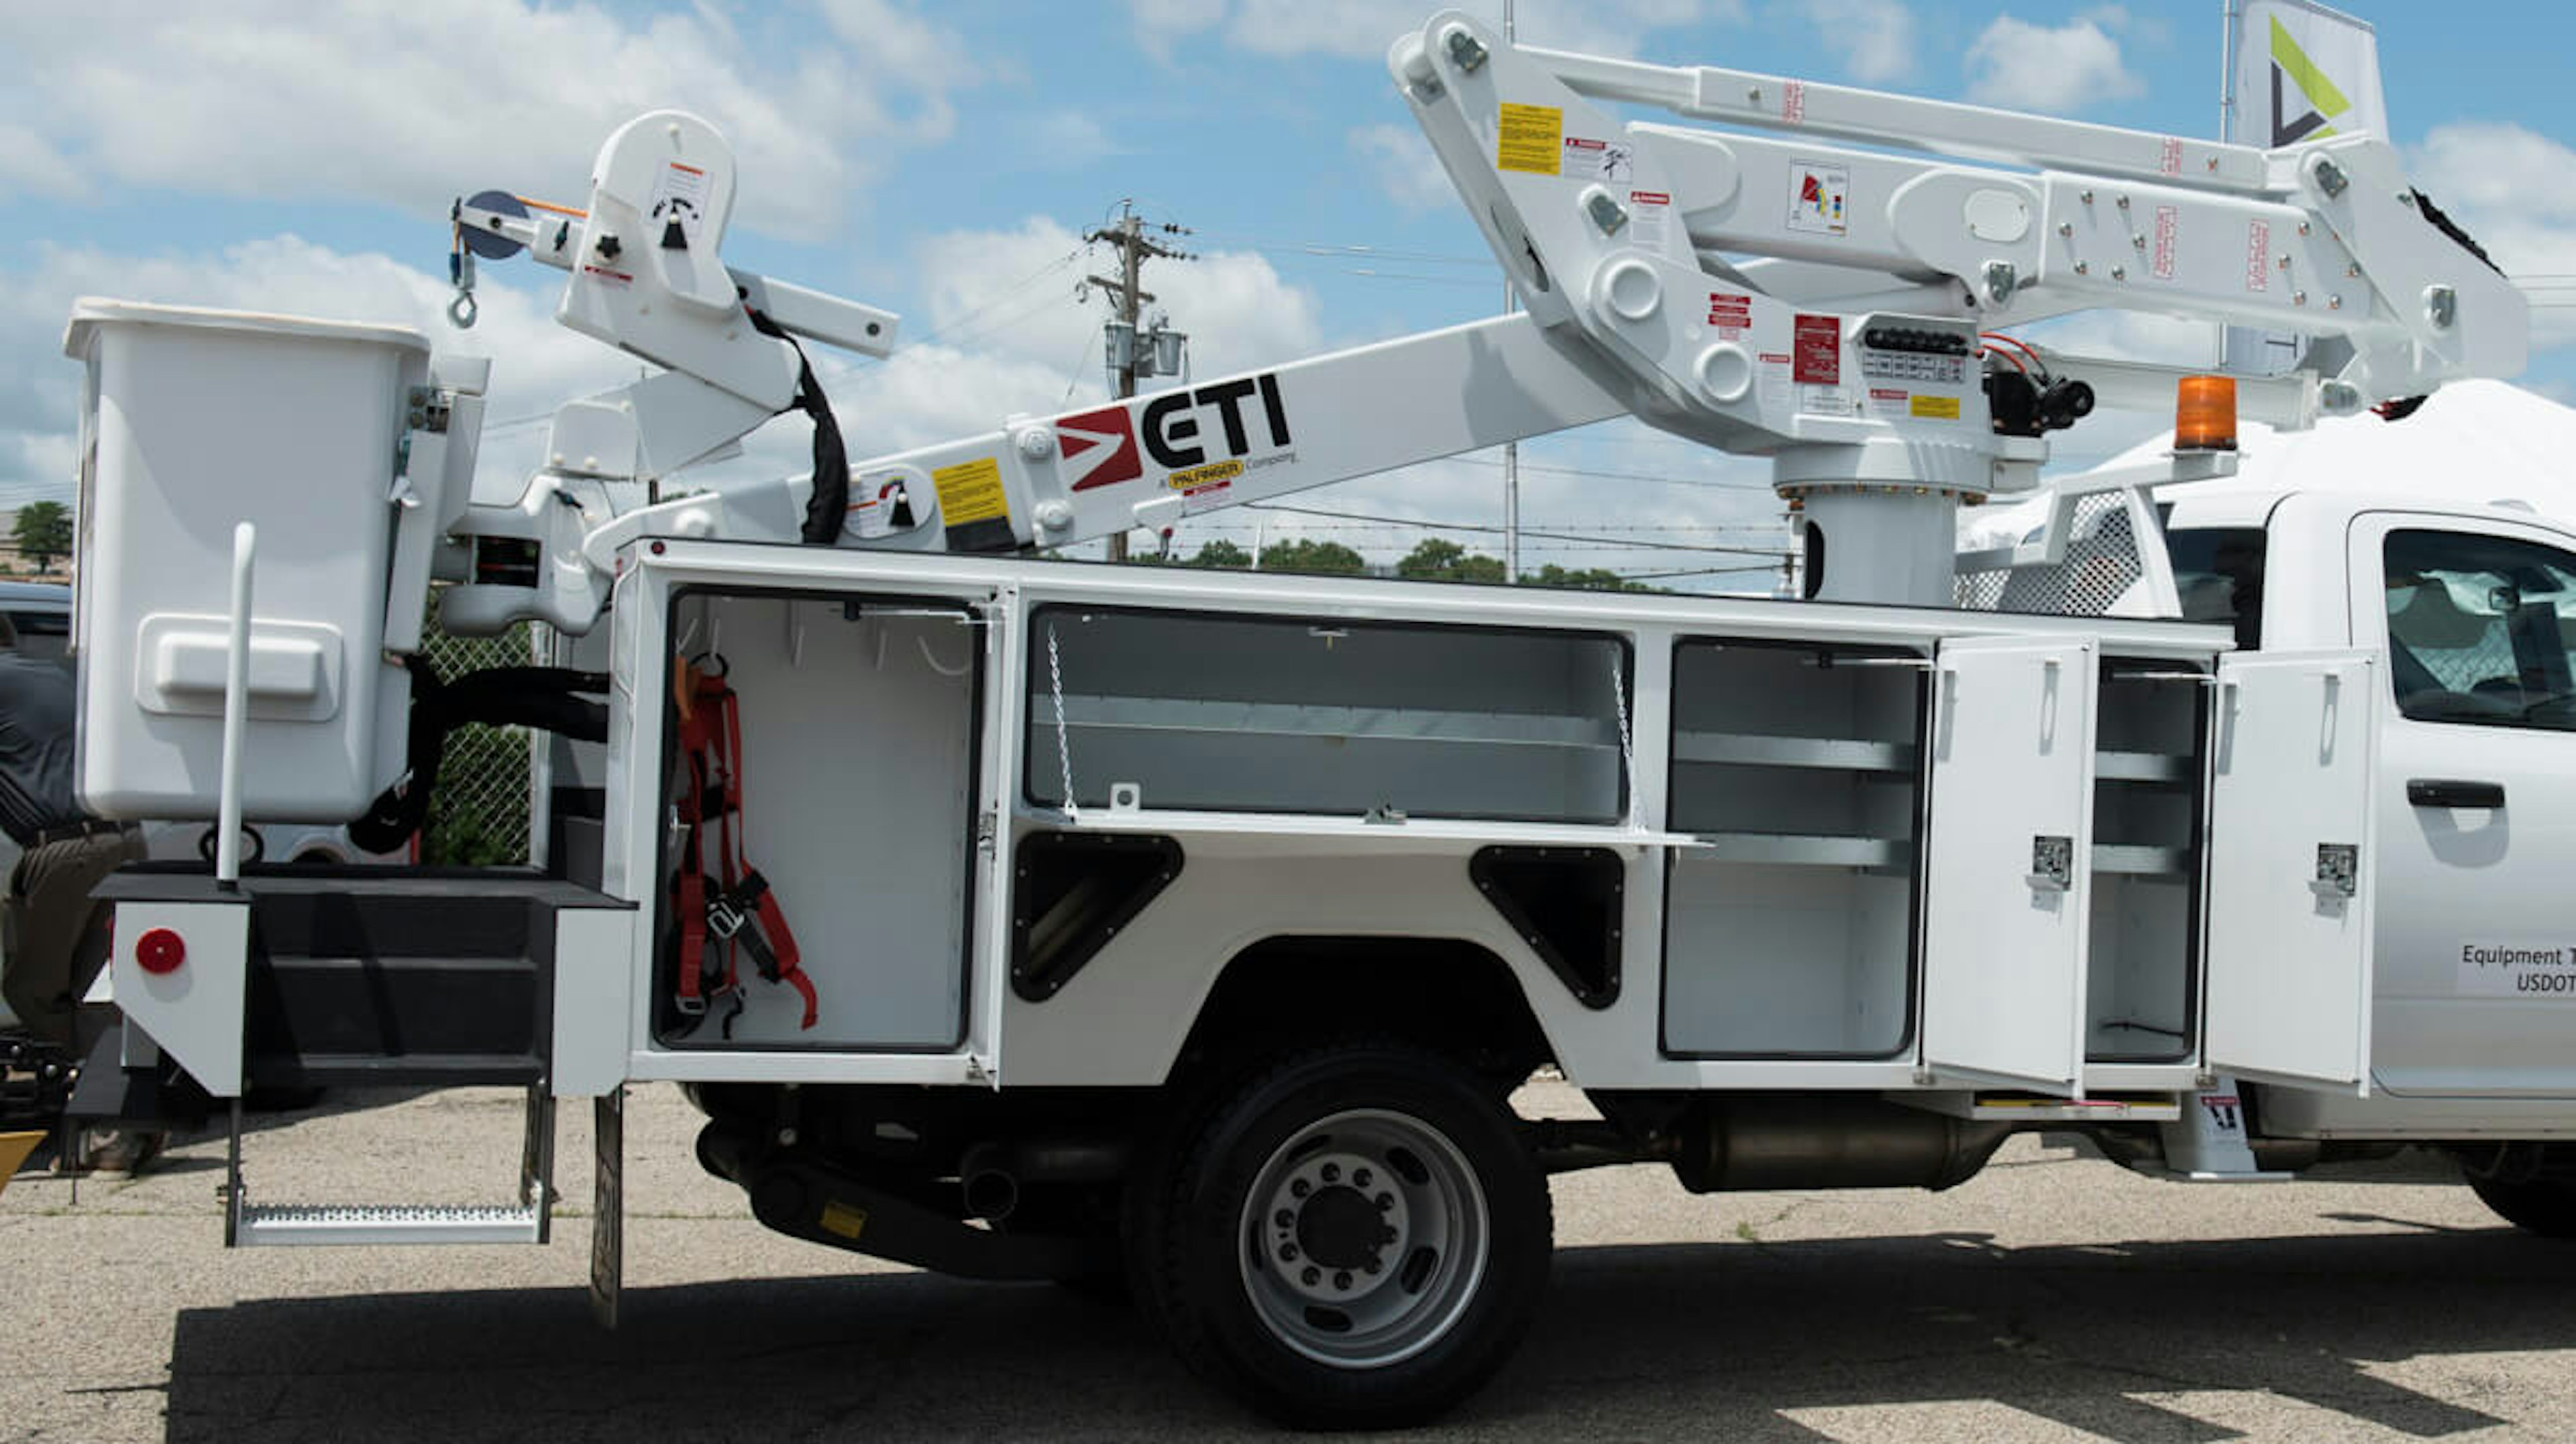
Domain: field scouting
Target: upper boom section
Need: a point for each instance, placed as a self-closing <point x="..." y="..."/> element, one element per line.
<point x="1633" y="232"/>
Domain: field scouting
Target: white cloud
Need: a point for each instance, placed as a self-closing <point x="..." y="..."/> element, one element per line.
<point x="536" y="364"/>
<point x="1161" y="23"/>
<point x="2062" y="69"/>
<point x="409" y="104"/>
<point x="2514" y="192"/>
<point x="1003" y="333"/>
<point x="1401" y="162"/>
<point x="1874" y="39"/>
<point x="1362" y="29"/>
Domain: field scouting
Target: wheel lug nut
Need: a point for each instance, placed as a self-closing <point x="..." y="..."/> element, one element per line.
<point x="1312" y="1274"/>
<point x="1299" y="1188"/>
<point x="1342" y="1280"/>
<point x="1369" y="1267"/>
<point x="1332" y="1172"/>
<point x="1360" y="1178"/>
<point x="1287" y="1253"/>
<point x="1284" y="1219"/>
<point x="1385" y="1201"/>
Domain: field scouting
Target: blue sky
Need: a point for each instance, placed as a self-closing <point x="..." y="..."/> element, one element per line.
<point x="942" y="161"/>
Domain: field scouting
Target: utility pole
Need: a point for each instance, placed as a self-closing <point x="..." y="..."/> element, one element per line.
<point x="1127" y="359"/>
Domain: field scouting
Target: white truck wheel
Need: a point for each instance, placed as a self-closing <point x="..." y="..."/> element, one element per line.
<point x="1357" y="1238"/>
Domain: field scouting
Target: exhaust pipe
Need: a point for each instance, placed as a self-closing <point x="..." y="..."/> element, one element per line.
<point x="991" y="1175"/>
<point x="991" y="1194"/>
<point x="1827" y="1140"/>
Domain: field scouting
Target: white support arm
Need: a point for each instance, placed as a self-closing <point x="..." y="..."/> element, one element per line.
<point x="1773" y="102"/>
<point x="1152" y="460"/>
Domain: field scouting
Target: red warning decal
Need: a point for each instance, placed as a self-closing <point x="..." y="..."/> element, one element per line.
<point x="1108" y="438"/>
<point x="1817" y="344"/>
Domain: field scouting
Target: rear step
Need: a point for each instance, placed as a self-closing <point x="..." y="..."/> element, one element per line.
<point x="530" y="1220"/>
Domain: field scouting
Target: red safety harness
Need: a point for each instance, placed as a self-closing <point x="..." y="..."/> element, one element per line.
<point x="739" y="913"/>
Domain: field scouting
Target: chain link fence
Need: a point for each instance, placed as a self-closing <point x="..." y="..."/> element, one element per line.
<point x="479" y="812"/>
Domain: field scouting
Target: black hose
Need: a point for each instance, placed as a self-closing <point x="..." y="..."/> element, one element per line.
<point x="551" y="699"/>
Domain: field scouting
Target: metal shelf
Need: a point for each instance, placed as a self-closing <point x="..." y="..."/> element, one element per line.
<point x="2142" y="767"/>
<point x="1749" y="749"/>
<point x="1806" y="850"/>
<point x="1343" y="830"/>
<point x="2134" y="861"/>
<point x="1084" y="713"/>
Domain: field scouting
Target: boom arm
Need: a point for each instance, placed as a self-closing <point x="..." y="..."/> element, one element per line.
<point x="1774" y="294"/>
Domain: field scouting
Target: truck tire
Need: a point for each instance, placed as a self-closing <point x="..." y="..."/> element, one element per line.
<point x="2545" y="1206"/>
<point x="1357" y="1237"/>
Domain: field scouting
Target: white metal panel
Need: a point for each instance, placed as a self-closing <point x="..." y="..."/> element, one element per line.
<point x="2005" y="928"/>
<point x="594" y="972"/>
<point x="193" y="1011"/>
<point x="2289" y="911"/>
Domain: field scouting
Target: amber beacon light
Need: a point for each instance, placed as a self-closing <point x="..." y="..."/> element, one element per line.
<point x="2205" y="413"/>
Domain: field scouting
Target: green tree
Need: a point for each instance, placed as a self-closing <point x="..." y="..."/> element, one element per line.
<point x="1437" y="559"/>
<point x="1307" y="555"/>
<point x="43" y="533"/>
<point x="1597" y="579"/>
<point x="1222" y="553"/>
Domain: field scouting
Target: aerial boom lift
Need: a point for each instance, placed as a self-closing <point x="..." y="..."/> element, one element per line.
<point x="1775" y="294"/>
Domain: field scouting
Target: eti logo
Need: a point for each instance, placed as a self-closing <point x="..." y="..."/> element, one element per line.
<point x="1100" y="448"/>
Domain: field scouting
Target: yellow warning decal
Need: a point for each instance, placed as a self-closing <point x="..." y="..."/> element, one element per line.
<point x="1532" y="139"/>
<point x="1942" y="408"/>
<point x="1198" y="476"/>
<point x="970" y="492"/>
<point x="842" y="1219"/>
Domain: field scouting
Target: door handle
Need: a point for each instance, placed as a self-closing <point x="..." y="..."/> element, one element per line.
<point x="2444" y="792"/>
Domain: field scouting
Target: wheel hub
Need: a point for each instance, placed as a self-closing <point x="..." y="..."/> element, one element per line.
<point x="1337" y="1227"/>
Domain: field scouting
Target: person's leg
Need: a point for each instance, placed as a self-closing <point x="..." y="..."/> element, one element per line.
<point x="40" y="947"/>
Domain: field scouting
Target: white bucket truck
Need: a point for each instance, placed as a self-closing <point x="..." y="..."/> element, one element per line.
<point x="1023" y="919"/>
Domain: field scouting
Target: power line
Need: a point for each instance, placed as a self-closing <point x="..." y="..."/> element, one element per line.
<point x="1329" y="250"/>
<point x="1006" y="293"/>
<point x="1474" y="527"/>
<point x="1626" y="475"/>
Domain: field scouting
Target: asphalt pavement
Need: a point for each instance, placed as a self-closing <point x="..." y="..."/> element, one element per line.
<point x="2053" y="1297"/>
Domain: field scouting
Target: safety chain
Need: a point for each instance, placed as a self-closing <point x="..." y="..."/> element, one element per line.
<point x="1063" y="746"/>
<point x="1627" y="747"/>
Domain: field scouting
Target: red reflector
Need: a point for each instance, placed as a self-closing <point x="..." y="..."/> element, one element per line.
<point x="159" y="951"/>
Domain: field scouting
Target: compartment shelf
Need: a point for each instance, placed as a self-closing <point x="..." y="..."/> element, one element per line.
<point x="1806" y="849"/>
<point x="1296" y="719"/>
<point x="1751" y="749"/>
<point x="2135" y="861"/>
<point x="2143" y="767"/>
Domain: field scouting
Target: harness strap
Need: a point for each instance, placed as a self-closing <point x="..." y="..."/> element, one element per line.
<point x="738" y="913"/>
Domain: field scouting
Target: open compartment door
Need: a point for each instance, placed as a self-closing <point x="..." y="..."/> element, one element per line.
<point x="2290" y="861"/>
<point x="2007" y="878"/>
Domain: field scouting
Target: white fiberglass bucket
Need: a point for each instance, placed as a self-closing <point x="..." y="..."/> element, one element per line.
<point x="195" y="420"/>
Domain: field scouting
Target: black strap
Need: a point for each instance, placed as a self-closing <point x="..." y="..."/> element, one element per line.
<point x="547" y="698"/>
<point x="829" y="507"/>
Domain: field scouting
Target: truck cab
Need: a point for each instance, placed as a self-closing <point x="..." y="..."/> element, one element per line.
<point x="2475" y="794"/>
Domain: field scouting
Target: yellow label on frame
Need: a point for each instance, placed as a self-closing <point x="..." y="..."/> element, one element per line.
<point x="1532" y="139"/>
<point x="1938" y="408"/>
<point x="970" y="492"/>
<point x="840" y="1218"/>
